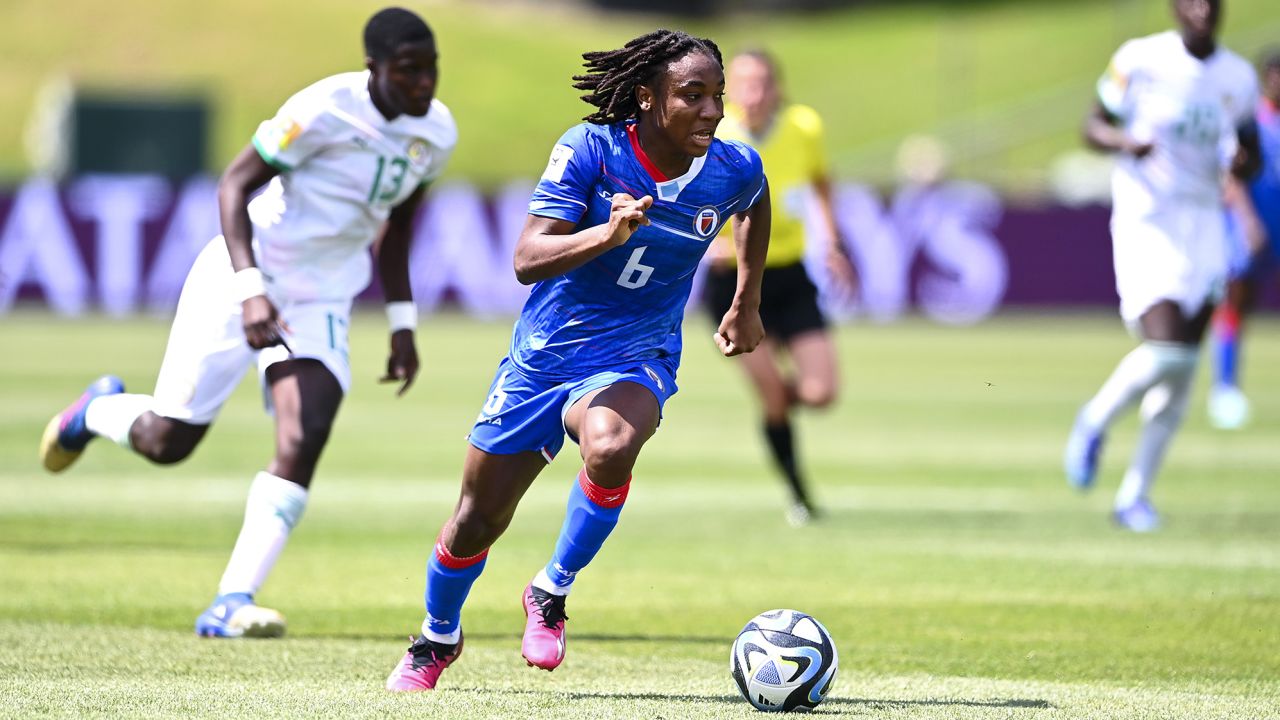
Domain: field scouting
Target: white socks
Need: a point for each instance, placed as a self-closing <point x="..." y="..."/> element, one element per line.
<point x="451" y="638"/>
<point x="1160" y="374"/>
<point x="112" y="416"/>
<point x="542" y="581"/>
<point x="274" y="507"/>
<point x="1163" y="408"/>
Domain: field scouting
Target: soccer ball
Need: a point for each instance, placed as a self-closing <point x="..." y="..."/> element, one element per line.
<point x="783" y="660"/>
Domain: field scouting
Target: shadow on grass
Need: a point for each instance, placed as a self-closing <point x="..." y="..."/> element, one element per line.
<point x="577" y="637"/>
<point x="826" y="706"/>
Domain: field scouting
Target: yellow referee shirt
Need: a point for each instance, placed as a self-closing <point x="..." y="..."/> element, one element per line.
<point x="793" y="154"/>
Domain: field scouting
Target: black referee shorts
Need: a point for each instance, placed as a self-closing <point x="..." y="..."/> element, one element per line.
<point x="788" y="299"/>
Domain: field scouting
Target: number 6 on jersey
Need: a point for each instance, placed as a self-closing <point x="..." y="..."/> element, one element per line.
<point x="634" y="274"/>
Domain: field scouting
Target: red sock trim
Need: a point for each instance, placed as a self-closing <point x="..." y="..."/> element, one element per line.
<point x="453" y="562"/>
<point x="602" y="496"/>
<point x="1227" y="320"/>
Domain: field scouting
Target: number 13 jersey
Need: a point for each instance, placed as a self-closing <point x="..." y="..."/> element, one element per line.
<point x="626" y="305"/>
<point x="343" y="167"/>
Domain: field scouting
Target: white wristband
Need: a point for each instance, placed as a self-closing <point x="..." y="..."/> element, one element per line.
<point x="402" y="315"/>
<point x="248" y="283"/>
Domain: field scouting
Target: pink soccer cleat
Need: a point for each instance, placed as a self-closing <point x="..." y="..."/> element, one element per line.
<point x="543" y="644"/>
<point x="421" y="666"/>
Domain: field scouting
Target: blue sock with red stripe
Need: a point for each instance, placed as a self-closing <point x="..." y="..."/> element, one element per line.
<point x="449" y="580"/>
<point x="1226" y="340"/>
<point x="591" y="515"/>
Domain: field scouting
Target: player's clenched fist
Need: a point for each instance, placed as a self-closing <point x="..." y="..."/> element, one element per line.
<point x="626" y="216"/>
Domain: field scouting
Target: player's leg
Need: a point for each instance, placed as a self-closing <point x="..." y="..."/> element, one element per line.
<point x="815" y="386"/>
<point x="492" y="486"/>
<point x="205" y="358"/>
<point x="612" y="424"/>
<point x="1162" y="354"/>
<point x="777" y="393"/>
<point x="1228" y="406"/>
<point x="1164" y="405"/>
<point x="305" y="396"/>
<point x="518" y="432"/>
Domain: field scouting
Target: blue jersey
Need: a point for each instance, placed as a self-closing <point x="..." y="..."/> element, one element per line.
<point x="1265" y="188"/>
<point x="626" y="305"/>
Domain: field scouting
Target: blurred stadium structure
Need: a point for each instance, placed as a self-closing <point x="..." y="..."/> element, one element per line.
<point x="953" y="126"/>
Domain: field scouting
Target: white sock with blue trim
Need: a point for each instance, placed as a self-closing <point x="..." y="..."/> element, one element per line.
<point x="274" y="507"/>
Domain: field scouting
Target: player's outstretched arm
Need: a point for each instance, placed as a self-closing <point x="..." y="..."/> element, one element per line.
<point x="243" y="176"/>
<point x="549" y="246"/>
<point x="1102" y="132"/>
<point x="740" y="330"/>
<point x="392" y="252"/>
<point x="839" y="263"/>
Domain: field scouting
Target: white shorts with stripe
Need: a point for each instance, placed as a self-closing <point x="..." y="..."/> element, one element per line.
<point x="207" y="353"/>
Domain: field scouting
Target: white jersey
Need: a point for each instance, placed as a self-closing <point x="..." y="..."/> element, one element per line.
<point x="343" y="167"/>
<point x="1189" y="109"/>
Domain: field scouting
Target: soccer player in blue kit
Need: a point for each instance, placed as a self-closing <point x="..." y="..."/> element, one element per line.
<point x="627" y="206"/>
<point x="1254" y="209"/>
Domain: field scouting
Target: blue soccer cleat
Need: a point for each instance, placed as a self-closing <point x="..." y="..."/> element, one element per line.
<point x="1083" y="455"/>
<point x="234" y="615"/>
<point x="66" y="436"/>
<point x="1140" y="517"/>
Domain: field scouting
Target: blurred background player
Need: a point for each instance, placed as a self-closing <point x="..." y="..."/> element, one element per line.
<point x="1254" y="210"/>
<point x="346" y="158"/>
<point x="1175" y="107"/>
<point x="789" y="140"/>
<point x="618" y="224"/>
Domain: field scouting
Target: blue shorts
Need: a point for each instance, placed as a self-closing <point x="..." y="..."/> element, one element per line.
<point x="525" y="414"/>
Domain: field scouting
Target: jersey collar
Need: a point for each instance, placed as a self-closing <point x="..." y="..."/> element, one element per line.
<point x="668" y="188"/>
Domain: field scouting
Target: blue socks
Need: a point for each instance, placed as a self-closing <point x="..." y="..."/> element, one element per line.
<point x="449" y="580"/>
<point x="591" y="515"/>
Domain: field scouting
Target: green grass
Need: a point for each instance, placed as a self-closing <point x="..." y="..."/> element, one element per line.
<point x="958" y="575"/>
<point x="1004" y="83"/>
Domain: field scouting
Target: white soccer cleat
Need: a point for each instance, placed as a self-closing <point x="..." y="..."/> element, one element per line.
<point x="235" y="615"/>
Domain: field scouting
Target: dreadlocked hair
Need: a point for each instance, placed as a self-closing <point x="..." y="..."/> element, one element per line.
<point x="613" y="75"/>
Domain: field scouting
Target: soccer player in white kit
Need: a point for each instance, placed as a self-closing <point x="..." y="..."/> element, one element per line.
<point x="346" y="162"/>
<point x="1176" y="108"/>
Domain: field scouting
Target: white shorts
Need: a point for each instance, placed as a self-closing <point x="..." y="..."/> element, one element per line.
<point x="207" y="353"/>
<point x="1177" y="254"/>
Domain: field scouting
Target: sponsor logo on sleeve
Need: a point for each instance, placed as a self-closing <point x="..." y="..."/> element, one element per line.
<point x="280" y="132"/>
<point x="560" y="156"/>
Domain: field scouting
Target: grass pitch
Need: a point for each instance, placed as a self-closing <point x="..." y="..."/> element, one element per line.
<point x="958" y="574"/>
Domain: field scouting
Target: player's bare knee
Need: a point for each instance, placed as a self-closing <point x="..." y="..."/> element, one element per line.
<point x="163" y="441"/>
<point x="816" y="395"/>
<point x="611" y="454"/>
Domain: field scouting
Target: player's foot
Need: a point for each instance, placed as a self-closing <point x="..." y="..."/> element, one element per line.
<point x="421" y="666"/>
<point x="1228" y="407"/>
<point x="543" y="644"/>
<point x="801" y="513"/>
<point x="66" y="435"/>
<point x="1140" y="517"/>
<point x="1081" y="459"/>
<point x="234" y="615"/>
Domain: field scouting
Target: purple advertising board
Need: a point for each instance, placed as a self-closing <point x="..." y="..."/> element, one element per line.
<point x="954" y="253"/>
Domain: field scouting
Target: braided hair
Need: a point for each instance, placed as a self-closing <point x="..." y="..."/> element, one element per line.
<point x="613" y="75"/>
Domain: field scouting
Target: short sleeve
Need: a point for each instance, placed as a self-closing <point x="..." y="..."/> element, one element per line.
<point x="442" y="136"/>
<point x="294" y="134"/>
<point x="754" y="183"/>
<point x="571" y="174"/>
<point x="1113" y="86"/>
